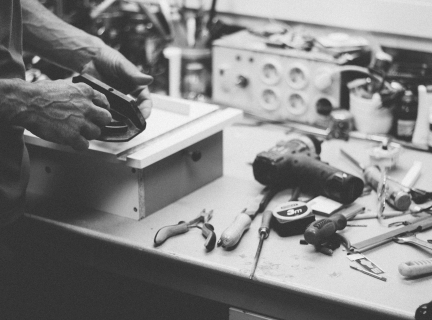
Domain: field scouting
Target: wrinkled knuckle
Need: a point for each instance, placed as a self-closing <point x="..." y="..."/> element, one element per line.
<point x="86" y="89"/>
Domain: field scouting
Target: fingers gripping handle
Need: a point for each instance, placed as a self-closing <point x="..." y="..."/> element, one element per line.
<point x="231" y="236"/>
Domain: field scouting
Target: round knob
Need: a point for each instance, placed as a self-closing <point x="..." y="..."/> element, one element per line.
<point x="323" y="81"/>
<point x="195" y="155"/>
<point x="242" y="81"/>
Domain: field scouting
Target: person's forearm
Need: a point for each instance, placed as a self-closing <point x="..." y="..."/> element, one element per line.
<point x="58" y="111"/>
<point x="55" y="40"/>
<point x="12" y="104"/>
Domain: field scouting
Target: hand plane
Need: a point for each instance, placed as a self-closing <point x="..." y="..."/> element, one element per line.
<point x="127" y="121"/>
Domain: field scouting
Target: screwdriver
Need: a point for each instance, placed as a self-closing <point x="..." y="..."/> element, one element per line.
<point x="232" y="235"/>
<point x="264" y="232"/>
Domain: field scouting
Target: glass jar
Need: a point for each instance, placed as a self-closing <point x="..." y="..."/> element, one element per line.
<point x="195" y="81"/>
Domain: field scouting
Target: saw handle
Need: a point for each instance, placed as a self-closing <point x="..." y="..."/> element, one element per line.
<point x="169" y="231"/>
<point x="415" y="268"/>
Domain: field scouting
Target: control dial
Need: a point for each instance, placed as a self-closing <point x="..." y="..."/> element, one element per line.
<point x="242" y="81"/>
<point x="323" y="79"/>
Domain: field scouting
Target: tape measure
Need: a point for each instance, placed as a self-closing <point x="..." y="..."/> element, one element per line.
<point x="291" y="211"/>
<point x="292" y="218"/>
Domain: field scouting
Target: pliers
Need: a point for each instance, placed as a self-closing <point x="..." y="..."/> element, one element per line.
<point x="207" y="230"/>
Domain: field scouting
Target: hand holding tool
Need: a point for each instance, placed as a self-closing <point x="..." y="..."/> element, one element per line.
<point x="207" y="230"/>
<point x="264" y="232"/>
<point x="415" y="268"/>
<point x="127" y="122"/>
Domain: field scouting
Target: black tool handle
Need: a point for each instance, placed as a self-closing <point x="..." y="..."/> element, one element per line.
<point x="317" y="232"/>
<point x="207" y="231"/>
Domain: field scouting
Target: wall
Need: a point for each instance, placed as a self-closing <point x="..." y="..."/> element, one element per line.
<point x="396" y="23"/>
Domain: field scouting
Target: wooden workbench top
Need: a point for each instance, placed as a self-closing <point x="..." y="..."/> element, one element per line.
<point x="310" y="283"/>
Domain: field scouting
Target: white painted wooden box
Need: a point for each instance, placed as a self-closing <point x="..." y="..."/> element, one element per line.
<point x="136" y="178"/>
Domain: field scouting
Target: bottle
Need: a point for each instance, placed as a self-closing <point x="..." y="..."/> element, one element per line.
<point x="406" y="115"/>
<point x="195" y="82"/>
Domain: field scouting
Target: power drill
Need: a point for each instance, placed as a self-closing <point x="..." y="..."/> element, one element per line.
<point x="296" y="163"/>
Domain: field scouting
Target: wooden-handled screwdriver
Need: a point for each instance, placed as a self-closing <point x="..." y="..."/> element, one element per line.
<point x="232" y="235"/>
<point x="264" y="232"/>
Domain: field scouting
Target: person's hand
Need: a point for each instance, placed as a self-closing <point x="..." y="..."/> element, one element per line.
<point x="112" y="68"/>
<point x="63" y="112"/>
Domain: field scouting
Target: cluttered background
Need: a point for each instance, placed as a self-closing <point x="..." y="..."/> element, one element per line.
<point x="341" y="81"/>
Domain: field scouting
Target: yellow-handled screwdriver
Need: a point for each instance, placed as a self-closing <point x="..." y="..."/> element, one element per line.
<point x="264" y="232"/>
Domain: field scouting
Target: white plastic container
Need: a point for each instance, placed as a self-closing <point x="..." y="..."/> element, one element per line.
<point x="369" y="116"/>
